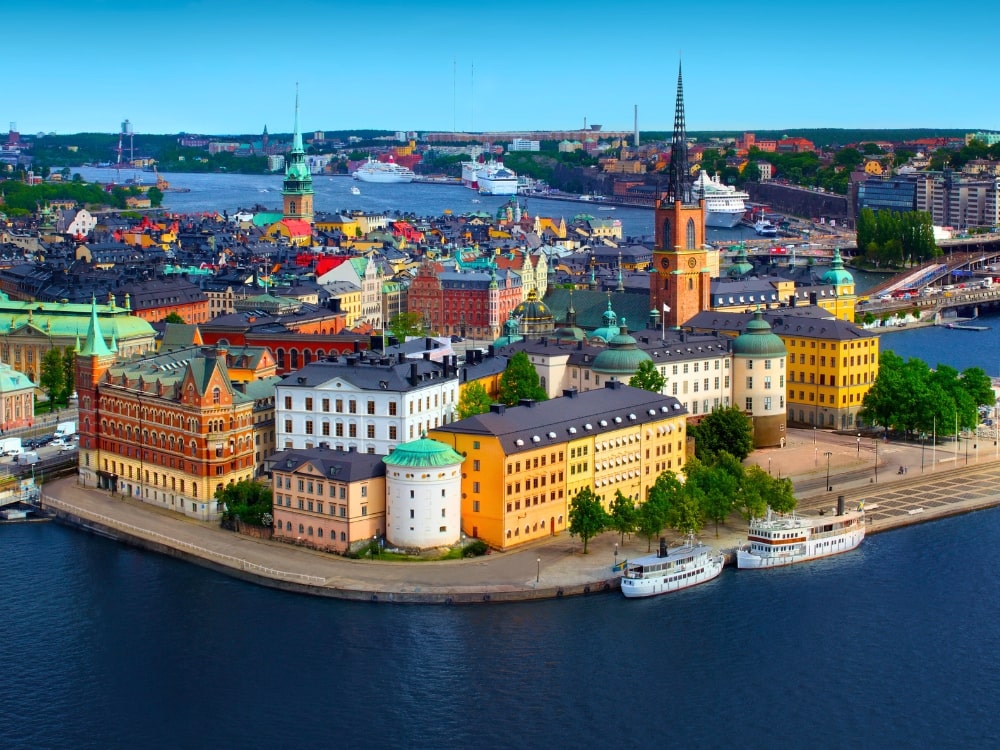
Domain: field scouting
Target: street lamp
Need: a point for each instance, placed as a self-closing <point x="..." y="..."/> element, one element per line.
<point x="616" y="555"/>
<point x="875" y="441"/>
<point x="859" y="445"/>
<point x="828" y="454"/>
<point x="769" y="466"/>
<point x="538" y="569"/>
<point x="923" y="439"/>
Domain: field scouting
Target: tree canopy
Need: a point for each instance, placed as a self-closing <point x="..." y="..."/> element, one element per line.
<point x="405" y="325"/>
<point x="520" y="380"/>
<point x="889" y="238"/>
<point x="910" y="397"/>
<point x="725" y="429"/>
<point x="587" y="517"/>
<point x="648" y="378"/>
<point x="246" y="501"/>
<point x="474" y="400"/>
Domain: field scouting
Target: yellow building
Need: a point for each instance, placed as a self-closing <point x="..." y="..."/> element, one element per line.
<point x="525" y="464"/>
<point x="346" y="225"/>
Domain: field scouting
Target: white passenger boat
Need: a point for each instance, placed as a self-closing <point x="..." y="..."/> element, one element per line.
<point x="383" y="171"/>
<point x="782" y="540"/>
<point x="494" y="178"/>
<point x="671" y="569"/>
<point x="765" y="228"/>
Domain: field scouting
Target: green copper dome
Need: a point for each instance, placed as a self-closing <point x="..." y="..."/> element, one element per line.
<point x="757" y="340"/>
<point x="741" y="266"/>
<point x="838" y="275"/>
<point x="510" y="332"/>
<point x="423" y="453"/>
<point x="622" y="357"/>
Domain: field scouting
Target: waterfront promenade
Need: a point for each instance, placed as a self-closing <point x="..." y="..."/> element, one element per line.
<point x="951" y="482"/>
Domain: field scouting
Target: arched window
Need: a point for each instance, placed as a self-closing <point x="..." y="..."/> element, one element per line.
<point x="294" y="355"/>
<point x="281" y="359"/>
<point x="216" y="395"/>
<point x="690" y="234"/>
<point x="690" y="284"/>
<point x="667" y="240"/>
<point x="306" y="357"/>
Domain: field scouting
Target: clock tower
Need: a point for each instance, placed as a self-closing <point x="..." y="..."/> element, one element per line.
<point x="679" y="287"/>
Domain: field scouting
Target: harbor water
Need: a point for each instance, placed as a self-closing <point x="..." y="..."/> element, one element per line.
<point x="889" y="646"/>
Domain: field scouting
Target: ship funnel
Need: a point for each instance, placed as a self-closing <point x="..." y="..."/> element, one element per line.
<point x="840" y="505"/>
<point x="663" y="547"/>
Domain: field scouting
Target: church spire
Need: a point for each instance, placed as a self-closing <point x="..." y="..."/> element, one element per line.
<point x="94" y="344"/>
<point x="297" y="191"/>
<point x="296" y="134"/>
<point x="679" y="187"/>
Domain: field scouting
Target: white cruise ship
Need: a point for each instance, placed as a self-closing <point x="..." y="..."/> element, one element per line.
<point x="496" y="179"/>
<point x="783" y="540"/>
<point x="470" y="174"/>
<point x="383" y="171"/>
<point x="724" y="205"/>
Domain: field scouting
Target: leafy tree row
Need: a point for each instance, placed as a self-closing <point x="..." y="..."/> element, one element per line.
<point x="889" y="238"/>
<point x="712" y="490"/>
<point x="910" y="397"/>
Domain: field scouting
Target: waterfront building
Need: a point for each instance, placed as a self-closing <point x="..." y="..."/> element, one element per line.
<point x="679" y="288"/>
<point x="759" y="358"/>
<point x="831" y="363"/>
<point x="423" y="495"/>
<point x="297" y="189"/>
<point x="959" y="202"/>
<point x="365" y="402"/>
<point x="169" y="429"/>
<point x="326" y="498"/>
<point x="524" y="464"/>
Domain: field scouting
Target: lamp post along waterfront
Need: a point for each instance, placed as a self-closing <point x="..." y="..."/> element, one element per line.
<point x="828" y="454"/>
<point x="538" y="569"/>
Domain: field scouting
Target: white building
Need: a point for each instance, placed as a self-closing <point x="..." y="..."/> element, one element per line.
<point x="423" y="495"/>
<point x="364" y="401"/>
<point x="523" y="144"/>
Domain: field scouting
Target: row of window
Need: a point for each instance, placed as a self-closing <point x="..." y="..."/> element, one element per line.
<point x="694" y="386"/>
<point x="307" y="485"/>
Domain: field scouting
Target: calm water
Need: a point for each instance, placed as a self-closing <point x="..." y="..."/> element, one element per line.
<point x="891" y="646"/>
<point x="216" y="192"/>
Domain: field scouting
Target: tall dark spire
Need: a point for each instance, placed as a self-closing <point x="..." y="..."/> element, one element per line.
<point x="680" y="184"/>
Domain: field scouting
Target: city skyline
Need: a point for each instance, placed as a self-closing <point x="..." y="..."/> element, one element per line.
<point x="228" y="68"/>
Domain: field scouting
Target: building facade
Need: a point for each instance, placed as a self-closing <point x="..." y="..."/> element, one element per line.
<point x="525" y="464"/>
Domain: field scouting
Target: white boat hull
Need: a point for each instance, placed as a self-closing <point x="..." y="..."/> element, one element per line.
<point x="381" y="177"/>
<point x="634" y="588"/>
<point x="723" y="219"/>
<point x="813" y="549"/>
<point x="497" y="187"/>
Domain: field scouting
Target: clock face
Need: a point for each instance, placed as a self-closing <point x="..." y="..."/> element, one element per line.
<point x="665" y="262"/>
<point x="692" y="262"/>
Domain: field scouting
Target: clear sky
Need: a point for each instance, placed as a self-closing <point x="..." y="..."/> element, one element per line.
<point x="218" y="66"/>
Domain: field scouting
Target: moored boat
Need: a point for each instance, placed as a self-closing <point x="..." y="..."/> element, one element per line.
<point x="494" y="178"/>
<point x="765" y="228"/>
<point x="671" y="570"/>
<point x="777" y="540"/>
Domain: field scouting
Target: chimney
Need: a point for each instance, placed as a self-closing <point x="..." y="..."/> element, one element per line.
<point x="529" y="402"/>
<point x="414" y="373"/>
<point x="492" y="350"/>
<point x="812" y="298"/>
<point x="428" y="343"/>
<point x="570" y="392"/>
<point x="791" y="300"/>
<point x="613" y="384"/>
<point x="357" y="346"/>
<point x="498" y="408"/>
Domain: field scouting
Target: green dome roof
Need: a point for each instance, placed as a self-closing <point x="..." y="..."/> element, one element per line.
<point x="422" y="453"/>
<point x="622" y="357"/>
<point x="510" y="332"/>
<point x="837" y="275"/>
<point x="741" y="266"/>
<point x="757" y="340"/>
<point x="533" y="309"/>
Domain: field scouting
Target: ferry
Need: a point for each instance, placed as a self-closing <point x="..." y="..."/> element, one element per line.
<point x="671" y="570"/>
<point x="782" y="540"/>
<point x="496" y="179"/>
<point x="764" y="228"/>
<point x="383" y="171"/>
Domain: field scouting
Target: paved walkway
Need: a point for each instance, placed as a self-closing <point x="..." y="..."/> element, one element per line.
<point x="556" y="567"/>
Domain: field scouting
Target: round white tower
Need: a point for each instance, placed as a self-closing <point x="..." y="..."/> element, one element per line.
<point x="423" y="495"/>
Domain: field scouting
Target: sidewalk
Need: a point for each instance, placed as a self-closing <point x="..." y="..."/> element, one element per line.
<point x="553" y="567"/>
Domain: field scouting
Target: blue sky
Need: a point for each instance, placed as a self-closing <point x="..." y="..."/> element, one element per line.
<point x="231" y="67"/>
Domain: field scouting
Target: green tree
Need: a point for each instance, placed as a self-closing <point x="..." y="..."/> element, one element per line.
<point x="652" y="515"/>
<point x="474" y="400"/>
<point x="977" y="384"/>
<point x="52" y="377"/>
<point x="173" y="317"/>
<point x="648" y="378"/>
<point x="246" y="501"/>
<point x="155" y="196"/>
<point x="520" y="380"/>
<point x="587" y="517"/>
<point x="623" y="515"/>
<point x="714" y="487"/>
<point x="849" y="158"/>
<point x="727" y="429"/>
<point x="69" y="373"/>
<point x="406" y="325"/>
